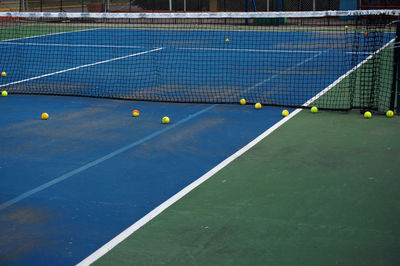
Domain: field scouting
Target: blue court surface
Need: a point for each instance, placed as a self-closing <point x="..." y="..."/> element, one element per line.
<point x="279" y="68"/>
<point x="70" y="184"/>
<point x="104" y="189"/>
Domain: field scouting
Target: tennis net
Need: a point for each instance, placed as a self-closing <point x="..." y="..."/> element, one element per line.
<point x="333" y="59"/>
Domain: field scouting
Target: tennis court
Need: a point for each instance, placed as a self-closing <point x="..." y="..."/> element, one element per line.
<point x="72" y="183"/>
<point x="185" y="64"/>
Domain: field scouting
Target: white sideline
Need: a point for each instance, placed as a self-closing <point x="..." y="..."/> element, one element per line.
<point x="252" y="50"/>
<point x="148" y="217"/>
<point x="156" y="211"/>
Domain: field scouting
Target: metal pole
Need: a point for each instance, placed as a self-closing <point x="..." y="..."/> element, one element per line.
<point x="254" y="6"/>
<point x="184" y="5"/>
<point x="313" y="5"/>
<point x="267" y="5"/>
<point x="170" y="5"/>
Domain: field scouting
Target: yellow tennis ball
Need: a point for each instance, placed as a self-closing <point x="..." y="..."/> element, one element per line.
<point x="4" y="93"/>
<point x="346" y="27"/>
<point x="367" y="115"/>
<point x="3" y="74"/>
<point x="257" y="106"/>
<point x="227" y="40"/>
<point x="285" y="113"/>
<point x="45" y="116"/>
<point x="389" y="113"/>
<point x="242" y="101"/>
<point x="165" y="120"/>
<point x="135" y="113"/>
<point x="314" y="109"/>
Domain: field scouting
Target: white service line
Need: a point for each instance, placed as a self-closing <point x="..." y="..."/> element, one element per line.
<point x="78" y="67"/>
<point x="362" y="53"/>
<point x="252" y="50"/>
<point x="282" y="72"/>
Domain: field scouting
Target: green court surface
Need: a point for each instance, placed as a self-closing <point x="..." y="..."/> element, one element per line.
<point x="323" y="189"/>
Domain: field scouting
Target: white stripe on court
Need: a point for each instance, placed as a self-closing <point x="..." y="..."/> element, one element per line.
<point x="68" y="45"/>
<point x="346" y="74"/>
<point x="148" y="217"/>
<point x="362" y="53"/>
<point x="49" y="34"/>
<point x="251" y="50"/>
<point x="100" y="160"/>
<point x="156" y="211"/>
<point x="127" y="46"/>
<point x="79" y="67"/>
<point x="159" y="209"/>
<point x="280" y="73"/>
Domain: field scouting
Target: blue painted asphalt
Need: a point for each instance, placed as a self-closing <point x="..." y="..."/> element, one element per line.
<point x="64" y="223"/>
<point x="185" y="69"/>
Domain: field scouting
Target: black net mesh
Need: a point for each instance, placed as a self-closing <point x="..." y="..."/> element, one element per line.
<point x="331" y="60"/>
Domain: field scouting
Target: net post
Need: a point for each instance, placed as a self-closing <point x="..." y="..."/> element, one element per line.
<point x="396" y="72"/>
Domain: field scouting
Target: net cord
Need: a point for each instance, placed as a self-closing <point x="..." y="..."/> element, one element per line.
<point x="316" y="14"/>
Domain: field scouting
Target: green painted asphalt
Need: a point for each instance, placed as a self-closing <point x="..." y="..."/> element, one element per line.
<point x="324" y="189"/>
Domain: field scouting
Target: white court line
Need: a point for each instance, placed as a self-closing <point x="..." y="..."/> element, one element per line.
<point x="346" y="74"/>
<point x="91" y="164"/>
<point x="130" y="230"/>
<point x="49" y="34"/>
<point x="68" y="45"/>
<point x="78" y="67"/>
<point x="126" y="46"/>
<point x="156" y="211"/>
<point x="280" y="73"/>
<point x="163" y="206"/>
<point x="252" y="50"/>
<point x="362" y="53"/>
